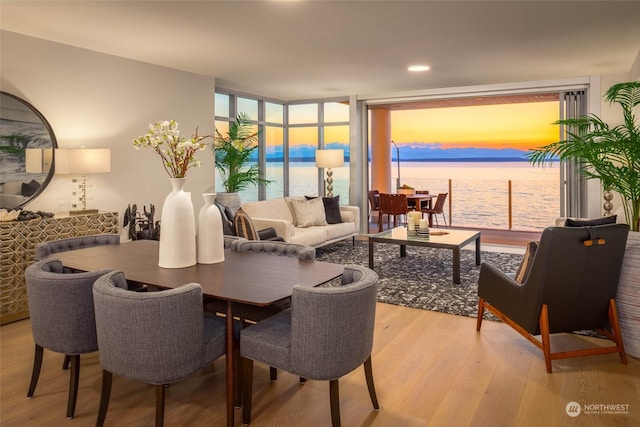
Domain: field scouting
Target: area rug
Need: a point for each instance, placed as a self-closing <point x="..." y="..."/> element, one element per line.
<point x="424" y="278"/>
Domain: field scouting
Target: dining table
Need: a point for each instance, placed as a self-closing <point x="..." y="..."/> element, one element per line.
<point x="248" y="278"/>
<point x="418" y="198"/>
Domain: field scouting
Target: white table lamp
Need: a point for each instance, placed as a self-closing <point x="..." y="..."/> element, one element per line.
<point x="82" y="161"/>
<point x="329" y="159"/>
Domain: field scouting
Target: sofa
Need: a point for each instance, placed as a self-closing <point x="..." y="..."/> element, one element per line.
<point x="280" y="213"/>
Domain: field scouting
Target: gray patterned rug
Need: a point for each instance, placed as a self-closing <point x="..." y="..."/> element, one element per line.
<point x="423" y="279"/>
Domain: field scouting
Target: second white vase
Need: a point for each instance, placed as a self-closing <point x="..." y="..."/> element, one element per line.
<point x="178" y="228"/>
<point x="210" y="233"/>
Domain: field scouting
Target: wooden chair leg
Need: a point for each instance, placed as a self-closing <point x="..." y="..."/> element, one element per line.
<point x="65" y="362"/>
<point x="544" y="334"/>
<point x="247" y="389"/>
<point x="615" y="326"/>
<point x="160" y="394"/>
<point x="480" y="314"/>
<point x="334" y="396"/>
<point x="74" y="378"/>
<point x="35" y="373"/>
<point x="105" y="394"/>
<point x="368" y="373"/>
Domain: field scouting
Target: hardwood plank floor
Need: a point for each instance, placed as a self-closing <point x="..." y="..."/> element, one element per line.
<point x="430" y="369"/>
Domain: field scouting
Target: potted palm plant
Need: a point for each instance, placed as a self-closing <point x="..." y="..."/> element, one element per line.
<point x="233" y="159"/>
<point x="610" y="154"/>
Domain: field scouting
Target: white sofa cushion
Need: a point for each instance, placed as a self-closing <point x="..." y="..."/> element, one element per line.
<point x="310" y="236"/>
<point x="272" y="208"/>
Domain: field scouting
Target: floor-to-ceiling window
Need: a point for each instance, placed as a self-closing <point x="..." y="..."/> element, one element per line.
<point x="290" y="134"/>
<point x="268" y="118"/>
<point x="312" y="126"/>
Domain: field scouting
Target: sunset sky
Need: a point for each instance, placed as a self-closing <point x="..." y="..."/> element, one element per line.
<point x="521" y="126"/>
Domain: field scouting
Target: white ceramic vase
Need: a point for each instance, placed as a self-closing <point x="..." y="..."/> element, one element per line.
<point x="210" y="234"/>
<point x="178" y="228"/>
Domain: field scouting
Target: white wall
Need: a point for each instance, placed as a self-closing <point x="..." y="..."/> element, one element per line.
<point x="635" y="68"/>
<point x="103" y="101"/>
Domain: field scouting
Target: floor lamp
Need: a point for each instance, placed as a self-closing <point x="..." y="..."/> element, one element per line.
<point x="82" y="161"/>
<point x="328" y="159"/>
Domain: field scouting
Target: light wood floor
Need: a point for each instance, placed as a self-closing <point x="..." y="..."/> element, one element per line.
<point x="430" y="369"/>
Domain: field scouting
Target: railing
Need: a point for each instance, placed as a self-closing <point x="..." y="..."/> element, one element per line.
<point x="510" y="204"/>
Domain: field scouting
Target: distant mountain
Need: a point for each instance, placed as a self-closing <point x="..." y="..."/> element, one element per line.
<point x="415" y="153"/>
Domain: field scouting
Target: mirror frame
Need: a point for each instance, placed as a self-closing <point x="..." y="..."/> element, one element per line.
<point x="54" y="145"/>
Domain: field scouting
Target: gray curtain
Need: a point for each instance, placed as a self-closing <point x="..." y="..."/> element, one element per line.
<point x="573" y="187"/>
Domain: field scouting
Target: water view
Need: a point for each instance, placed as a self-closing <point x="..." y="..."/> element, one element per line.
<point x="479" y="190"/>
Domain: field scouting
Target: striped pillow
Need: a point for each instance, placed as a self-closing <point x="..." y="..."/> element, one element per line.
<point x="527" y="262"/>
<point x="243" y="226"/>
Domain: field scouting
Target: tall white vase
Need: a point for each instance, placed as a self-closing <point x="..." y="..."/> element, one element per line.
<point x="178" y="228"/>
<point x="210" y="233"/>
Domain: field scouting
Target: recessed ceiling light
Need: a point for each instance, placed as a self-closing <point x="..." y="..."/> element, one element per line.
<point x="417" y="68"/>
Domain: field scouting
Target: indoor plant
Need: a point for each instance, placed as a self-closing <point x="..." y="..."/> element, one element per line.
<point x="233" y="153"/>
<point x="610" y="154"/>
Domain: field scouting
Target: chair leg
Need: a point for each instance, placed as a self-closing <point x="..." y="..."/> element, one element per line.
<point x="65" y="362"/>
<point x="303" y="380"/>
<point x="237" y="375"/>
<point x="273" y="373"/>
<point x="334" y="397"/>
<point x="445" y="220"/>
<point x="247" y="389"/>
<point x="73" y="385"/>
<point x="160" y="394"/>
<point x="105" y="394"/>
<point x="35" y="374"/>
<point x="480" y="314"/>
<point x="544" y="334"/>
<point x="615" y="326"/>
<point x="368" y="373"/>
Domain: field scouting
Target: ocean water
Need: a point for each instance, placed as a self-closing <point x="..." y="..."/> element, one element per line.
<point x="479" y="191"/>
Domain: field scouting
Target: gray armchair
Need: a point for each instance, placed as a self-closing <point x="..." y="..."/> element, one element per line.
<point x="167" y="337"/>
<point x="571" y="286"/>
<point x="327" y="333"/>
<point x="276" y="248"/>
<point x="62" y="318"/>
<point x="45" y="249"/>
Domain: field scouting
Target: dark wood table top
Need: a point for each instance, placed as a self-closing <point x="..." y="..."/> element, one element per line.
<point x="256" y="279"/>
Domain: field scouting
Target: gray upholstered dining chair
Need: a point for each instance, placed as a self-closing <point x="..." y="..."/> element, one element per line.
<point x="571" y="286"/>
<point x="62" y="319"/>
<point x="327" y="333"/>
<point x="45" y="249"/>
<point x="167" y="336"/>
<point x="276" y="248"/>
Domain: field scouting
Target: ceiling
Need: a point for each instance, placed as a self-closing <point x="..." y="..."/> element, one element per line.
<point x="292" y="50"/>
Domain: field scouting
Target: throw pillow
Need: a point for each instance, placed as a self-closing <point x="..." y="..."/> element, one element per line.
<point x="309" y="212"/>
<point x="590" y="222"/>
<point x="527" y="262"/>
<point x="331" y="209"/>
<point x="30" y="189"/>
<point x="243" y="226"/>
<point x="227" y="222"/>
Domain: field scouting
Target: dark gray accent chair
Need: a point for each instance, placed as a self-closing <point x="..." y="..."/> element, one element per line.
<point x="167" y="336"/>
<point x="62" y="318"/>
<point x="327" y="333"/>
<point x="571" y="287"/>
<point x="45" y="249"/>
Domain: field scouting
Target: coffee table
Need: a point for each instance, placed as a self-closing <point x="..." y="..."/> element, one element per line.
<point x="443" y="239"/>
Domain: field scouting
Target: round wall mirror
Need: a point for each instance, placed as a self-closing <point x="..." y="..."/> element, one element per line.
<point x="27" y="145"/>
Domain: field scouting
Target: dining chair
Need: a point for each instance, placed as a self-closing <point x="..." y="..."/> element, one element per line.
<point x="62" y="318"/>
<point x="155" y="337"/>
<point x="438" y="209"/>
<point x="374" y="203"/>
<point x="392" y="205"/>
<point x="327" y="333"/>
<point x="425" y="203"/>
<point x="46" y="249"/>
<point x="571" y="286"/>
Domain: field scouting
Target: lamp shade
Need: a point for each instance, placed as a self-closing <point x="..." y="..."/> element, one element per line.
<point x="329" y="158"/>
<point x="83" y="161"/>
